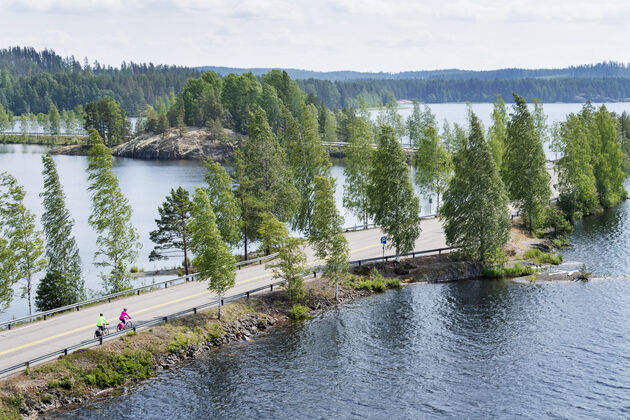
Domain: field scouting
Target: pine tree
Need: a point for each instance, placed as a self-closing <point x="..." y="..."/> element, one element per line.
<point x="23" y="238"/>
<point x="117" y="240"/>
<point x="224" y="204"/>
<point x="393" y="205"/>
<point x="307" y="159"/>
<point x="498" y="130"/>
<point x="326" y="235"/>
<point x="359" y="154"/>
<point x="213" y="260"/>
<point x="172" y="236"/>
<point x="62" y="251"/>
<point x="475" y="211"/>
<point x="576" y="181"/>
<point x="524" y="172"/>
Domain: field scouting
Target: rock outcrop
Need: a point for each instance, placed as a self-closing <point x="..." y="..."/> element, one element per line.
<point x="193" y="144"/>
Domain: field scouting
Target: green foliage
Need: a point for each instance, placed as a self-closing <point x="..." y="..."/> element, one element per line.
<point x="358" y="165"/>
<point x="392" y="202"/>
<point x="291" y="267"/>
<point x="536" y="255"/>
<point x="22" y="242"/>
<point x="16" y="401"/>
<point x="523" y="171"/>
<point x="213" y="259"/>
<point x="393" y="283"/>
<point x="223" y="202"/>
<point x="117" y="240"/>
<point x="607" y="157"/>
<point x="172" y="236"/>
<point x="263" y="167"/>
<point x="497" y="133"/>
<point x="298" y="312"/>
<point x="62" y="252"/>
<point x="475" y="211"/>
<point x="432" y="160"/>
<point x="390" y="116"/>
<point x="576" y="178"/>
<point x="120" y="368"/>
<point x="108" y="119"/>
<point x="326" y="234"/>
<point x="307" y="159"/>
<point x="240" y="95"/>
<point x="272" y="232"/>
<point x="583" y="274"/>
<point x="517" y="270"/>
<point x="65" y="383"/>
<point x="182" y="341"/>
<point x="556" y="220"/>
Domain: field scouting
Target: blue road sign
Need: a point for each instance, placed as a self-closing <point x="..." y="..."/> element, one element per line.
<point x="383" y="240"/>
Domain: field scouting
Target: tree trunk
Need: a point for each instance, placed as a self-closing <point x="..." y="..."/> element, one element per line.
<point x="185" y="256"/>
<point x="336" y="290"/>
<point x="245" y="240"/>
<point x="219" y="306"/>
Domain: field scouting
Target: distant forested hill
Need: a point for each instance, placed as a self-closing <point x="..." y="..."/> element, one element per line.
<point x="607" y="69"/>
<point x="30" y="80"/>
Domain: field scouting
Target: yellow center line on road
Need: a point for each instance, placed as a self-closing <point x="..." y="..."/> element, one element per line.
<point x="171" y="302"/>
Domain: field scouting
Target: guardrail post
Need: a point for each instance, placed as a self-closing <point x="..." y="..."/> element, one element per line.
<point x="77" y="308"/>
<point x="247" y="293"/>
<point x="27" y="366"/>
<point x="314" y="274"/>
<point x="9" y="326"/>
<point x="44" y="317"/>
<point x="138" y="292"/>
<point x="271" y="287"/>
<point x="221" y="302"/>
<point x="194" y="310"/>
<point x="109" y="300"/>
<point x="440" y="251"/>
<point x="65" y="352"/>
<point x="166" y="285"/>
<point x="100" y="340"/>
<point x="165" y="318"/>
<point x="359" y="263"/>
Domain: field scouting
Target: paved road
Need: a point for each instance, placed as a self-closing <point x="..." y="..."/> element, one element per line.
<point x="38" y="338"/>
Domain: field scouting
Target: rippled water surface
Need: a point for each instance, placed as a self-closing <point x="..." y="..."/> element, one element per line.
<point x="477" y="349"/>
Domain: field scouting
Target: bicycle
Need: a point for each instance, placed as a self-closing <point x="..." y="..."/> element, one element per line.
<point x="128" y="325"/>
<point x="97" y="333"/>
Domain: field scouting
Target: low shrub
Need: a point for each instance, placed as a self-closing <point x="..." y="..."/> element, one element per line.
<point x="540" y="257"/>
<point x="517" y="270"/>
<point x="46" y="398"/>
<point x="133" y="269"/>
<point x="132" y="365"/>
<point x="182" y="341"/>
<point x="17" y="401"/>
<point x="583" y="274"/>
<point x="299" y="312"/>
<point x="180" y="272"/>
<point x="65" y="383"/>
<point x="378" y="286"/>
<point x="560" y="242"/>
<point x="393" y="283"/>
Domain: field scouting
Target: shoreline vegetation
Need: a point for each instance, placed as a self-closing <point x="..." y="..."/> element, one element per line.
<point x="89" y="373"/>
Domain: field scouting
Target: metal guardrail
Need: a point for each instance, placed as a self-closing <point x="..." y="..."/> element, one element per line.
<point x="142" y="325"/>
<point x="194" y="310"/>
<point x="109" y="297"/>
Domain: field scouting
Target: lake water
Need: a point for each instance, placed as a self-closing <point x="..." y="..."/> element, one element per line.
<point x="475" y="349"/>
<point x="146" y="184"/>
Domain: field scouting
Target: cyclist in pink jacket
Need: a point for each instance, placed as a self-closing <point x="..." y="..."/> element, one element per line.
<point x="123" y="316"/>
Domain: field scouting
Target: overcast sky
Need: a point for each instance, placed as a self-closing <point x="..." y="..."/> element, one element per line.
<point x="364" y="35"/>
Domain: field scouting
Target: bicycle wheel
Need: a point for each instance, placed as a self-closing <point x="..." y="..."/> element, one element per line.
<point x="106" y="331"/>
<point x="129" y="325"/>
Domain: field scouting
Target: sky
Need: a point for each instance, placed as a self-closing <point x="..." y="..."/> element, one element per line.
<point x="325" y="35"/>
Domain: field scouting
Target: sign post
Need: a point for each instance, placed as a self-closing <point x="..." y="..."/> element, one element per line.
<point x="383" y="241"/>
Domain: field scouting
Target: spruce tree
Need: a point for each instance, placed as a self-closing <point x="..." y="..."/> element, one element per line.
<point x="62" y="251"/>
<point x="393" y="205"/>
<point x="213" y="259"/>
<point x="172" y="236"/>
<point x="475" y="213"/>
<point x="326" y="235"/>
<point x="524" y="172"/>
<point x="224" y="204"/>
<point x="117" y="240"/>
<point x="21" y="234"/>
<point x="358" y="164"/>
